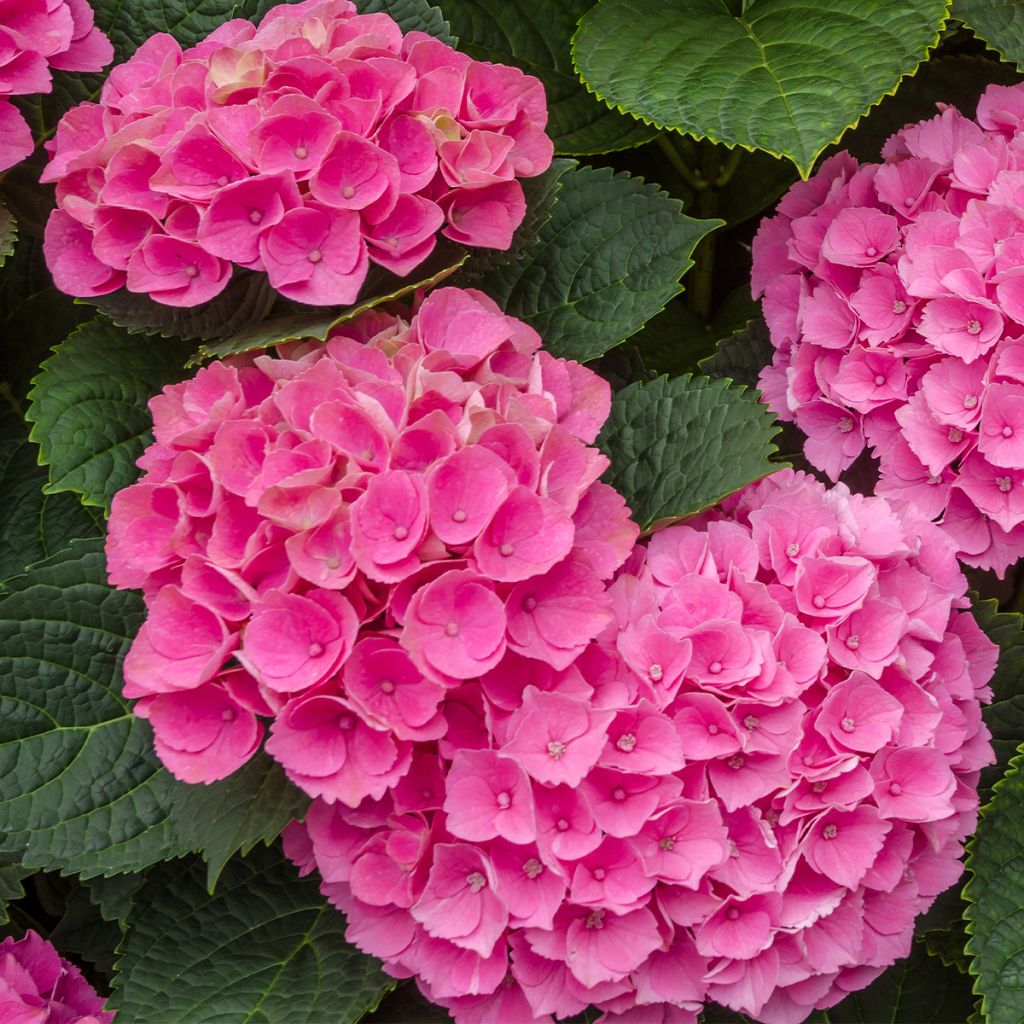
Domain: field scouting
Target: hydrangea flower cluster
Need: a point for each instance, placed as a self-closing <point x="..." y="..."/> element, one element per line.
<point x="346" y="539"/>
<point x="37" y="986"/>
<point x="894" y="294"/>
<point x="308" y="148"/>
<point x="744" y="789"/>
<point x="36" y="36"/>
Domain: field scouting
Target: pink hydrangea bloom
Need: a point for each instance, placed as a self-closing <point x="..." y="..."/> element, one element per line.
<point x="756" y="774"/>
<point x="895" y="301"/>
<point x="342" y="541"/>
<point x="38" y="986"/>
<point x="35" y="37"/>
<point x="306" y="149"/>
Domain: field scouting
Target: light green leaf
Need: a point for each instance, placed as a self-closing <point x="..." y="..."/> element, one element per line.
<point x="251" y="806"/>
<point x="8" y="233"/>
<point x="380" y="288"/>
<point x="607" y="260"/>
<point x="266" y="949"/>
<point x="88" y="407"/>
<point x="33" y="525"/>
<point x="783" y="76"/>
<point x="995" y="898"/>
<point x="516" y="32"/>
<point x="917" y="990"/>
<point x="80" y="787"/>
<point x="999" y="23"/>
<point x="680" y="445"/>
<point x="1005" y="715"/>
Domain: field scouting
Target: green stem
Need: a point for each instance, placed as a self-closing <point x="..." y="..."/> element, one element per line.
<point x="679" y="164"/>
<point x="732" y="162"/>
<point x="701" y="280"/>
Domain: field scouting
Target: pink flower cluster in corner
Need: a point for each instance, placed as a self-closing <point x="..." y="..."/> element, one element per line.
<point x="307" y="149"/>
<point x="36" y="36"/>
<point x="38" y="986"/>
<point x="744" y="789"/>
<point x="345" y="539"/>
<point x="894" y="294"/>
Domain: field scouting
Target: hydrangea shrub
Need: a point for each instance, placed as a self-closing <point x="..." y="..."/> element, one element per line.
<point x="306" y="148"/>
<point x="397" y="657"/>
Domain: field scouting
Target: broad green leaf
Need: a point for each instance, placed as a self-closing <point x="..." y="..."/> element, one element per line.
<point x="1000" y="23"/>
<point x="956" y="80"/>
<point x="267" y="948"/>
<point x="381" y="288"/>
<point x="917" y="990"/>
<point x="782" y="75"/>
<point x="33" y="525"/>
<point x="608" y="259"/>
<point x="83" y="934"/>
<point x="1005" y="715"/>
<point x="8" y="233"/>
<point x="88" y="407"/>
<point x="247" y="300"/>
<point x="517" y="32"/>
<point x="12" y="875"/>
<point x="995" y="897"/>
<point x="742" y="356"/>
<point x="114" y="897"/>
<point x="251" y="806"/>
<point x="678" y="446"/>
<point x="80" y="787"/>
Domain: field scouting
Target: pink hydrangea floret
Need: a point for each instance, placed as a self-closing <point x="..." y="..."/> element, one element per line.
<point x="37" y="36"/>
<point x="744" y="788"/>
<point x="38" y="986"/>
<point x="342" y="540"/>
<point x="894" y="295"/>
<point x="306" y="149"/>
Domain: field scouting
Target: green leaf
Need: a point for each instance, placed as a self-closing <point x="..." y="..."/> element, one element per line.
<point x="12" y="874"/>
<point x="678" y="446"/>
<point x="247" y="299"/>
<point x="917" y="990"/>
<point x="783" y="76"/>
<point x="514" y="32"/>
<point x="380" y="288"/>
<point x="251" y="806"/>
<point x="266" y="949"/>
<point x="742" y="356"/>
<point x="114" y="897"/>
<point x="1005" y="715"/>
<point x="607" y="260"/>
<point x="8" y="233"/>
<point x="80" y="787"/>
<point x="995" y="898"/>
<point x="33" y="525"/>
<point x="999" y="23"/>
<point x="84" y="934"/>
<point x="88" y="407"/>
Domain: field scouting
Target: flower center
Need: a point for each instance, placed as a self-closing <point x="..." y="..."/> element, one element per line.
<point x="871" y="251"/>
<point x="401" y="533"/>
<point x="830" y="831"/>
<point x="847" y="725"/>
<point x="667" y="843"/>
<point x="819" y="601"/>
<point x="504" y="800"/>
<point x="562" y="825"/>
<point x="599" y="874"/>
<point x="315" y="650"/>
<point x="255" y="216"/>
<point x="879" y="380"/>
<point x="819" y="787"/>
<point x="715" y="667"/>
<point x="556" y="749"/>
<point x="1005" y="484"/>
<point x="955" y="435"/>
<point x="532" y="868"/>
<point x="898" y="305"/>
<point x="301" y="152"/>
<point x="735" y="762"/>
<point x="315" y="256"/>
<point x="192" y="271"/>
<point x="229" y="714"/>
<point x="970" y="401"/>
<point x="506" y="550"/>
<point x="476" y="881"/>
<point x="853" y="641"/>
<point x="732" y="913"/>
<point x="1007" y="431"/>
<point x="348" y="191"/>
<point x="712" y="729"/>
<point x="655" y="672"/>
<point x="595" y="919"/>
<point x="751" y="721"/>
<point x="973" y="327"/>
<point x="530" y="603"/>
<point x="845" y="425"/>
<point x="387" y="686"/>
<point x="626" y="742"/>
<point x="618" y="793"/>
<point x="895" y="788"/>
<point x="793" y="550"/>
<point x="451" y="629"/>
<point x="459" y="515"/>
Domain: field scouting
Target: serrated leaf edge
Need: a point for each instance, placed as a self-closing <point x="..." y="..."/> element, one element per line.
<point x="805" y="172"/>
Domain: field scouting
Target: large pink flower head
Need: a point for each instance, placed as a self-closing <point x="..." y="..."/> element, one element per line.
<point x="894" y="294"/>
<point x="744" y="789"/>
<point x="305" y="149"/>
<point x="35" y="37"/>
<point x="345" y="540"/>
<point x="38" y="986"/>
